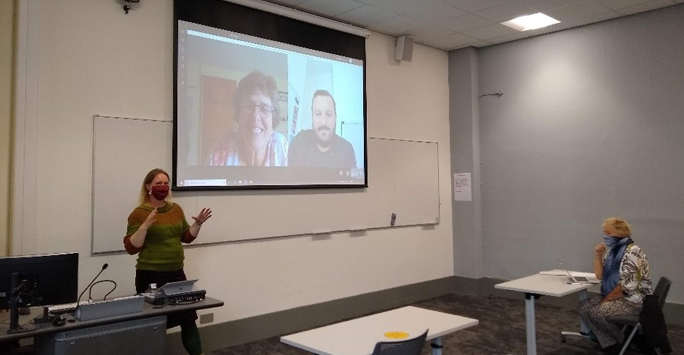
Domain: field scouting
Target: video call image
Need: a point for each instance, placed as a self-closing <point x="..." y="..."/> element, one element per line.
<point x="254" y="112"/>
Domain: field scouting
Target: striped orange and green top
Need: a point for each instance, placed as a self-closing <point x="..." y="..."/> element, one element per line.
<point x="162" y="249"/>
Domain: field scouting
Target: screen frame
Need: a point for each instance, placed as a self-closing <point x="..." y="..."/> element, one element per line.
<point x="238" y="18"/>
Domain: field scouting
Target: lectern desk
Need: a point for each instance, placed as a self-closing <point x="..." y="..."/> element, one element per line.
<point x="80" y="334"/>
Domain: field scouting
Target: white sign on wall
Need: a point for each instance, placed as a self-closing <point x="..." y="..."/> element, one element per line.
<point x="462" y="187"/>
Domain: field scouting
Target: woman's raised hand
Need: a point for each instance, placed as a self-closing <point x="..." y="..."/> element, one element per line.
<point x="600" y="249"/>
<point x="203" y="216"/>
<point x="151" y="218"/>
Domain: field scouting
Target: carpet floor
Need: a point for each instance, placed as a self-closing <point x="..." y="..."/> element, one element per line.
<point x="501" y="330"/>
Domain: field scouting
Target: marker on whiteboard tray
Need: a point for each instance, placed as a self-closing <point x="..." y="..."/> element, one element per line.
<point x="393" y="219"/>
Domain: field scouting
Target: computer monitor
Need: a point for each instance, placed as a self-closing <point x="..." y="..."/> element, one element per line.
<point x="37" y="280"/>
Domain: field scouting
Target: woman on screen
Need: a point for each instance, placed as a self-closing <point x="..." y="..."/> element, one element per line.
<point x="625" y="279"/>
<point x="156" y="229"/>
<point x="255" y="141"/>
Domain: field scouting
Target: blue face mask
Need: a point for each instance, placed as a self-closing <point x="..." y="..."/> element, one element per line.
<point x="611" y="241"/>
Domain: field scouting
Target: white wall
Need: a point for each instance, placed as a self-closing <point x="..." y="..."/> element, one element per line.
<point x="93" y="59"/>
<point x="589" y="126"/>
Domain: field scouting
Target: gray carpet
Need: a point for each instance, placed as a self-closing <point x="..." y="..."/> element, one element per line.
<point x="501" y="330"/>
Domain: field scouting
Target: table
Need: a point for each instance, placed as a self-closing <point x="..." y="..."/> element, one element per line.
<point x="150" y="312"/>
<point x="536" y="286"/>
<point x="359" y="336"/>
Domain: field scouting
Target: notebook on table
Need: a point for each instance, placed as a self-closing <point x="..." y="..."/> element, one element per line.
<point x="577" y="278"/>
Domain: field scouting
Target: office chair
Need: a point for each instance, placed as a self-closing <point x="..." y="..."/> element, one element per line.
<point x="661" y="291"/>
<point x="412" y="346"/>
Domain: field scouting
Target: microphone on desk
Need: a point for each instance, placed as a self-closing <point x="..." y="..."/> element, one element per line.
<point x="78" y="302"/>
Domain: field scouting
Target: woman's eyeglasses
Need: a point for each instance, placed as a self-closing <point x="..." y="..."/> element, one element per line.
<point x="249" y="107"/>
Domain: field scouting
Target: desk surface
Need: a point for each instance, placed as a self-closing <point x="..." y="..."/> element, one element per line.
<point x="148" y="311"/>
<point x="359" y="336"/>
<point x="546" y="285"/>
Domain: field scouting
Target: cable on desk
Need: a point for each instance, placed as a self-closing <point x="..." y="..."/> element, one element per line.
<point x="90" y="290"/>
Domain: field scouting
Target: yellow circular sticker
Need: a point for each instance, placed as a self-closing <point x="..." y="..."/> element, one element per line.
<point x="396" y="335"/>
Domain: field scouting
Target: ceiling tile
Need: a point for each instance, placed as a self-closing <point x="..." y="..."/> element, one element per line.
<point x="584" y="9"/>
<point x="465" y="23"/>
<point x="453" y="41"/>
<point x="429" y="32"/>
<point x="435" y="12"/>
<point x="555" y="28"/>
<point x="397" y="26"/>
<point x="475" y="5"/>
<point x="509" y="37"/>
<point x="506" y="12"/>
<point x="490" y="31"/>
<point x="573" y="23"/>
<point x="644" y="7"/>
<point x="400" y="6"/>
<point x="581" y="21"/>
<point x="450" y="24"/>
<point x="621" y="4"/>
<point x="329" y="7"/>
<point x="366" y="15"/>
<point x="545" y="5"/>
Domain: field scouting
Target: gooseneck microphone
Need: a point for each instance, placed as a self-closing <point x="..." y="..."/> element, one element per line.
<point x="78" y="302"/>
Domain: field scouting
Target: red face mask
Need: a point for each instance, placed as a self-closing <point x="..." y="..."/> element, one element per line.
<point x="160" y="192"/>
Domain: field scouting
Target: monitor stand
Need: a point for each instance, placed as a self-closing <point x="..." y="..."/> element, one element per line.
<point x="16" y="289"/>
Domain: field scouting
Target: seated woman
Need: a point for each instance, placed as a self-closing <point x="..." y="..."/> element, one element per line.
<point x="625" y="279"/>
<point x="255" y="142"/>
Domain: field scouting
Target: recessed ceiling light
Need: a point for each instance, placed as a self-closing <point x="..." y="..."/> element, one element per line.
<point x="530" y="22"/>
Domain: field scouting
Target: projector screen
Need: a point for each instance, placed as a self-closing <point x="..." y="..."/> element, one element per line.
<point x="255" y="112"/>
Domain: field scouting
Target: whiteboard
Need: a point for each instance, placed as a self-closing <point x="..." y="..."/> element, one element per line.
<point x="403" y="178"/>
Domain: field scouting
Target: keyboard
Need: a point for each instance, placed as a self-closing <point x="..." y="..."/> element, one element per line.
<point x="62" y="308"/>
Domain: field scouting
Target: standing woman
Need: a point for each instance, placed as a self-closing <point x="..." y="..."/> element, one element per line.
<point x="625" y="280"/>
<point x="156" y="229"/>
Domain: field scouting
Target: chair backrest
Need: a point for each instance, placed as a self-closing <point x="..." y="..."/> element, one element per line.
<point x="412" y="346"/>
<point x="662" y="289"/>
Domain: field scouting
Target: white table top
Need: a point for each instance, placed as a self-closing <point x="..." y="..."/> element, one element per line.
<point x="547" y="285"/>
<point x="359" y="336"/>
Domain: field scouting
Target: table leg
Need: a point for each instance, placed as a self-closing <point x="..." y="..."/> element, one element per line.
<point x="530" y="323"/>
<point x="436" y="346"/>
<point x="584" y="328"/>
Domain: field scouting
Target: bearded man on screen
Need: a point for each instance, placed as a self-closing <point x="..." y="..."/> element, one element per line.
<point x="321" y="146"/>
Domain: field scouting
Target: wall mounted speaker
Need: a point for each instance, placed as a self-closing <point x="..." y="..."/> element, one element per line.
<point x="404" y="49"/>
